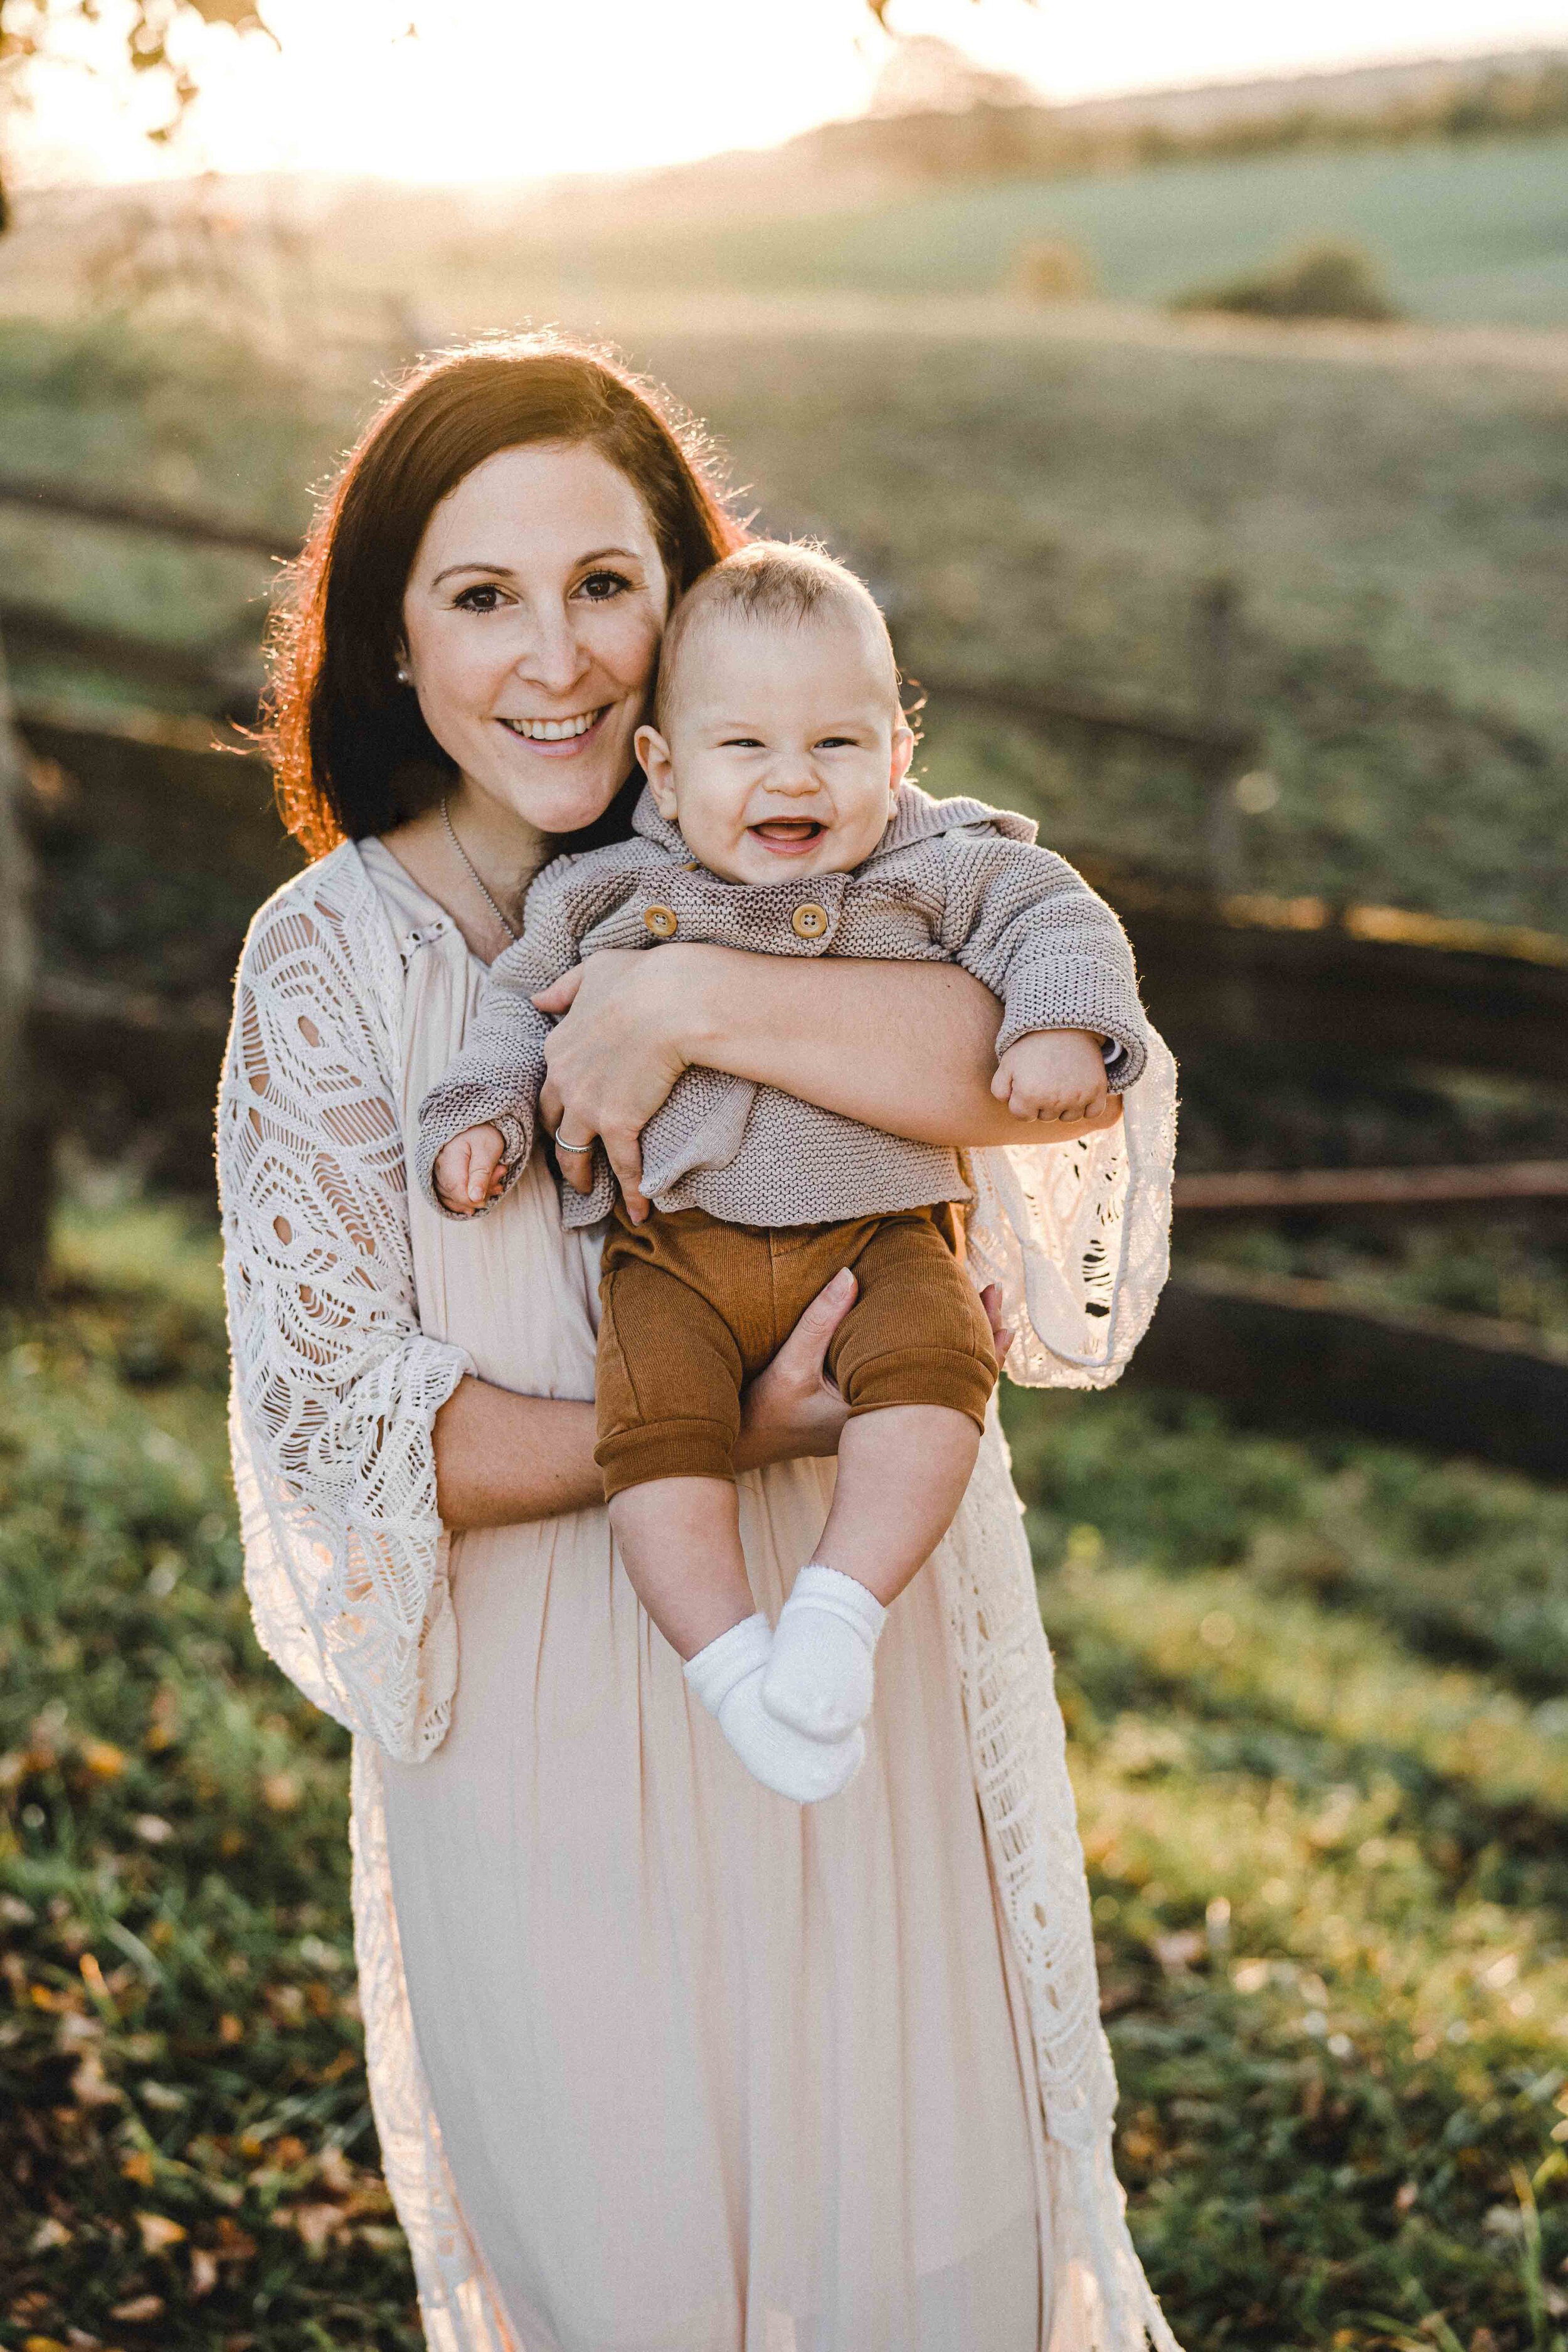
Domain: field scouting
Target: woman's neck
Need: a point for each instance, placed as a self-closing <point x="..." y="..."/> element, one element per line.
<point x="476" y="858"/>
<point x="506" y="849"/>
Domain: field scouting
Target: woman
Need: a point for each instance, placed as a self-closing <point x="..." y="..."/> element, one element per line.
<point x="659" y="2061"/>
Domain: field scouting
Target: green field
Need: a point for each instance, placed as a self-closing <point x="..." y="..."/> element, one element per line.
<point x="1465" y="233"/>
<point x="1317" y="1699"/>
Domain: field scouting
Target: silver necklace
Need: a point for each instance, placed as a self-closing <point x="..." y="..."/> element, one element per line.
<point x="502" y="917"/>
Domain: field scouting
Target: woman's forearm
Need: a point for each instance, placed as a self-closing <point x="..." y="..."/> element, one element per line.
<point x="502" y="1459"/>
<point x="908" y="1047"/>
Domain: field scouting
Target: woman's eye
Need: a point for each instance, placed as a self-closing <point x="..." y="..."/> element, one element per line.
<point x="600" y="586"/>
<point x="485" y="597"/>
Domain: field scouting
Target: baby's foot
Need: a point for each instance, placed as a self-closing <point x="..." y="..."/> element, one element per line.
<point x="727" y="1677"/>
<point x="819" y="1679"/>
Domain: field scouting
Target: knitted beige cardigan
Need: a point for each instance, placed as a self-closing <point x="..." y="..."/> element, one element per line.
<point x="335" y="1391"/>
<point x="951" y="881"/>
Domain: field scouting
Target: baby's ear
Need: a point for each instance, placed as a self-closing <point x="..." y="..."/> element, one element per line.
<point x="903" y="753"/>
<point x="653" y="752"/>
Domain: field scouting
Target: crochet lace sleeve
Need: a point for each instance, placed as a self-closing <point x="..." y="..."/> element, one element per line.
<point x="1077" y="1236"/>
<point x="335" y="1387"/>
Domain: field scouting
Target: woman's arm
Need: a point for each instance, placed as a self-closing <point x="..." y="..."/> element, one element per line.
<point x="908" y="1047"/>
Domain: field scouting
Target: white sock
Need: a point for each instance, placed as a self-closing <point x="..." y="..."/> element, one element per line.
<point x="727" y="1677"/>
<point x="820" y="1679"/>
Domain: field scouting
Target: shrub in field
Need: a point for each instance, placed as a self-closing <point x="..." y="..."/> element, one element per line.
<point x="1051" y="269"/>
<point x="1325" y="280"/>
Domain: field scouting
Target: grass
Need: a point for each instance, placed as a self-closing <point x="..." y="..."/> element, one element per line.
<point x="1317" y="1697"/>
<point x="185" y="2132"/>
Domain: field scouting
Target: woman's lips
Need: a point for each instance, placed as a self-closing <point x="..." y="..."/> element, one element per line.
<point x="565" y="747"/>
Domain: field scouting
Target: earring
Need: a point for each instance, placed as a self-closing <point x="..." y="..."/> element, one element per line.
<point x="403" y="678"/>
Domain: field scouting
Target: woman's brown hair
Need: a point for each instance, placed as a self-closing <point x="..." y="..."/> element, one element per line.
<point x="350" y="747"/>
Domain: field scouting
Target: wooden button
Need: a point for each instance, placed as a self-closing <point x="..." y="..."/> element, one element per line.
<point x="809" y="922"/>
<point x="661" y="922"/>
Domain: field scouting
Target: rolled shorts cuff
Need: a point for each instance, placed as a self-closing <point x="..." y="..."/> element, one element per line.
<point x="947" y="1377"/>
<point x="666" y="1449"/>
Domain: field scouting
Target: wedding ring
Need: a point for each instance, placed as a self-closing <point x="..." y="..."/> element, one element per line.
<point x="556" y="1139"/>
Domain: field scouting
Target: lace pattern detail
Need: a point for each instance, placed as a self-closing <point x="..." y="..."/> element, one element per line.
<point x="1077" y="1237"/>
<point x="1100" y="2301"/>
<point x="335" y="1391"/>
<point x="335" y="1386"/>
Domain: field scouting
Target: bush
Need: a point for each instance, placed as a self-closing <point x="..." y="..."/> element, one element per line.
<point x="1325" y="280"/>
<point x="1051" y="269"/>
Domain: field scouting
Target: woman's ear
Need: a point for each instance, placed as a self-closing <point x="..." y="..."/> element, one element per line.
<point x="903" y="753"/>
<point x="653" y="752"/>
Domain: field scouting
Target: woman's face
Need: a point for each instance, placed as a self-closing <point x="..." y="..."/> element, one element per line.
<point x="532" y="621"/>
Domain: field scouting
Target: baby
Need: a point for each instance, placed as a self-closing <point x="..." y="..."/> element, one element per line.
<point x="776" y="818"/>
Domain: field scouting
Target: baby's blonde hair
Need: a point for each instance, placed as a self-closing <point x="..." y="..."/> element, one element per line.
<point x="771" y="581"/>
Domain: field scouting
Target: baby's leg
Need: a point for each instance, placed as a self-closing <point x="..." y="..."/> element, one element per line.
<point x="901" y="1476"/>
<point x="681" y="1543"/>
<point x="670" y="1374"/>
<point x="917" y="1368"/>
<point x="668" y="1400"/>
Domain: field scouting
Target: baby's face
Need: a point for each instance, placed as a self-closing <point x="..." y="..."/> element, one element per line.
<point x="785" y="747"/>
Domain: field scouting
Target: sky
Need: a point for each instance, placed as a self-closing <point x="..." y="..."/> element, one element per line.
<point x="509" y="90"/>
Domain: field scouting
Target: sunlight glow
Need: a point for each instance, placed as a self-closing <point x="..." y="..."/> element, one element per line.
<point x="512" y="89"/>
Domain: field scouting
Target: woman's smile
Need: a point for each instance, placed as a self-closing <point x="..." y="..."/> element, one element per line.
<point x="556" y="738"/>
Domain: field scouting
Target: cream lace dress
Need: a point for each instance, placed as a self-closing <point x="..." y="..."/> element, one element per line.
<point x="660" y="2062"/>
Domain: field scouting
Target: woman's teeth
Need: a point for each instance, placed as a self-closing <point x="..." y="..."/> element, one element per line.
<point x="552" y="730"/>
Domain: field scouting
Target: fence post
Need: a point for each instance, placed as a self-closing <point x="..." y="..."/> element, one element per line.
<point x="25" y="1174"/>
<point x="1219" y="607"/>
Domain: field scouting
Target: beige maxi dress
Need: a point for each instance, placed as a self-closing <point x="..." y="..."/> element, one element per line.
<point x="662" y="2063"/>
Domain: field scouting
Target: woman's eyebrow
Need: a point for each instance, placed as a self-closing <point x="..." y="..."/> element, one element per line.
<point x="505" y="572"/>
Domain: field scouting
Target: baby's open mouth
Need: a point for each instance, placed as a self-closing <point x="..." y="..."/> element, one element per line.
<point x="787" y="832"/>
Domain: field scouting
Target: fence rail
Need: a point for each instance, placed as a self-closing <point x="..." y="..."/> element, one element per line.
<point x="32" y="495"/>
<point x="1247" y="1192"/>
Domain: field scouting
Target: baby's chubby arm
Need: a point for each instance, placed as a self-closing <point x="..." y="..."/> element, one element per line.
<point x="1021" y="919"/>
<point x="478" y="1124"/>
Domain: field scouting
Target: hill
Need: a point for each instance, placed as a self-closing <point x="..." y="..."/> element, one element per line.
<point x="1464" y="233"/>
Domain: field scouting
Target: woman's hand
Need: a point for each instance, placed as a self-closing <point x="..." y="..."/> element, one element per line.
<point x="791" y="1409"/>
<point x="613" y="1057"/>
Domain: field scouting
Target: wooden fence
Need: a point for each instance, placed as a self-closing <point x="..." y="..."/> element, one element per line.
<point x="121" y="1053"/>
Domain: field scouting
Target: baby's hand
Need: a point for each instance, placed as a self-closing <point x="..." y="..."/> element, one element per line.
<point x="1053" y="1074"/>
<point x="469" y="1170"/>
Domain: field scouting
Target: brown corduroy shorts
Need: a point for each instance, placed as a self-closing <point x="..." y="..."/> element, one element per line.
<point x="694" y="1308"/>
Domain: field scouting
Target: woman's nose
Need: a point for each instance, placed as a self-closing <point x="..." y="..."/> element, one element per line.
<point x="553" y="658"/>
